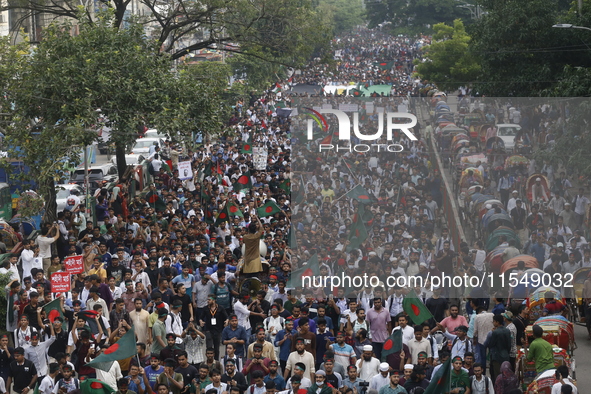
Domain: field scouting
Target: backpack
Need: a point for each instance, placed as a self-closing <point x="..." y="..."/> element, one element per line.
<point x="468" y="344"/>
<point x="486" y="380"/>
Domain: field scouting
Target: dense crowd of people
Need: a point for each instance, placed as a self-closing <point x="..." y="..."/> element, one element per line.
<point x="172" y="263"/>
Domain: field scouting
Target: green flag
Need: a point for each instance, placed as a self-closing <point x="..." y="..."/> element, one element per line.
<point x="384" y="65"/>
<point x="124" y="348"/>
<point x="247" y="146"/>
<point x="36" y="390"/>
<point x="360" y="194"/>
<point x="286" y="186"/>
<point x="441" y="381"/>
<point x="356" y="92"/>
<point x="366" y="215"/>
<point x="358" y="233"/>
<point x="95" y="386"/>
<point x="415" y="309"/>
<point x="243" y="182"/>
<point x="268" y="209"/>
<point x="223" y="216"/>
<point x="234" y="210"/>
<point x="310" y="269"/>
<point x="53" y="310"/>
<point x="392" y="345"/>
<point x="155" y="201"/>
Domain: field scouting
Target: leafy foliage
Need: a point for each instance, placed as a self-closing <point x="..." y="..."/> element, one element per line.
<point x="342" y="15"/>
<point x="414" y="16"/>
<point x="449" y="63"/>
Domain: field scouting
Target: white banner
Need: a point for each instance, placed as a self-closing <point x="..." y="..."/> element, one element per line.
<point x="369" y="108"/>
<point x="259" y="158"/>
<point x="349" y="107"/>
<point x="326" y="106"/>
<point x="185" y="171"/>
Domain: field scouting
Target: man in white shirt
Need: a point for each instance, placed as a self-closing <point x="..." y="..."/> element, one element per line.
<point x="37" y="352"/>
<point x="563" y="378"/>
<point x="44" y="241"/>
<point x="381" y="379"/>
<point x="408" y="333"/>
<point x="367" y="366"/>
<point x="242" y="312"/>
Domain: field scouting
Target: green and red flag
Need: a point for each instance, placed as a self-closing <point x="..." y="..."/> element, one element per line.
<point x="392" y="345"/>
<point x="243" y="182"/>
<point x="356" y="92"/>
<point x="268" y="209"/>
<point x="223" y="216"/>
<point x="384" y="65"/>
<point x="286" y="186"/>
<point x="441" y="381"/>
<point x="247" y="146"/>
<point x="277" y="88"/>
<point x="155" y="201"/>
<point x="415" y="308"/>
<point x="95" y="386"/>
<point x="358" y="233"/>
<point x="53" y="310"/>
<point x="310" y="269"/>
<point x="360" y="194"/>
<point x="234" y="209"/>
<point x="124" y="348"/>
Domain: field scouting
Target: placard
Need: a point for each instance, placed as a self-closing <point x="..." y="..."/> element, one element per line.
<point x="74" y="264"/>
<point x="349" y="107"/>
<point x="60" y="282"/>
<point x="259" y="158"/>
<point x="185" y="171"/>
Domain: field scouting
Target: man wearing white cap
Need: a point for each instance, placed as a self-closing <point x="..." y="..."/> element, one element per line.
<point x="513" y="200"/>
<point x="381" y="379"/>
<point x="539" y="191"/>
<point x="367" y="366"/>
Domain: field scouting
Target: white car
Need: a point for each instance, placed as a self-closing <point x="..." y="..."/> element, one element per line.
<point x="142" y="145"/>
<point x="153" y="133"/>
<point x="507" y="132"/>
<point x="131" y="159"/>
<point x="63" y="192"/>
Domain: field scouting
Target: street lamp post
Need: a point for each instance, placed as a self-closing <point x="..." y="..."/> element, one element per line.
<point x="569" y="26"/>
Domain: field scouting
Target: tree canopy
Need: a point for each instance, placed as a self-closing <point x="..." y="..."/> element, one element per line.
<point x="449" y="63"/>
<point x="66" y="80"/>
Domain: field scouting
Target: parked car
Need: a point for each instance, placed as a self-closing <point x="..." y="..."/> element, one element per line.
<point x="507" y="132"/>
<point x="98" y="175"/>
<point x="142" y="145"/>
<point x="64" y="192"/>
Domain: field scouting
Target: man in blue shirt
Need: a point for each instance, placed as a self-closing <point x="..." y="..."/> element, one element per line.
<point x="185" y="278"/>
<point x="539" y="250"/>
<point x="153" y="370"/>
<point x="283" y="342"/>
<point x="135" y="381"/>
<point x="273" y="376"/>
<point x="233" y="333"/>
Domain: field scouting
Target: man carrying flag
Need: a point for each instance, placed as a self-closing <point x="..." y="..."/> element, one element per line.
<point x="394" y="352"/>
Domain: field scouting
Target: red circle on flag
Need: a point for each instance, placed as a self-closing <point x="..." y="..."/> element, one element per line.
<point x="52" y="315"/>
<point x="415" y="310"/>
<point x="363" y="197"/>
<point x="96" y="385"/>
<point x="222" y="215"/>
<point x="308" y="272"/>
<point x="246" y="147"/>
<point x="243" y="180"/>
<point x="113" y="348"/>
<point x="233" y="208"/>
<point x="388" y="344"/>
<point x="269" y="209"/>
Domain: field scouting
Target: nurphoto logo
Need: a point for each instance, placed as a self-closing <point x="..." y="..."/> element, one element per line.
<point x="393" y="122"/>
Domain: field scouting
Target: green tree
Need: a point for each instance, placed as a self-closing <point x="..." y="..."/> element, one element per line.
<point x="342" y="15"/>
<point x="414" y="16"/>
<point x="449" y="63"/>
<point x="520" y="53"/>
<point x="66" y="79"/>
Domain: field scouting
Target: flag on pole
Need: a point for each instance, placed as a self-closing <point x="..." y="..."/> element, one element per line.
<point x="392" y="345"/>
<point x="441" y="381"/>
<point x="415" y="309"/>
<point x="234" y="210"/>
<point x="155" y="201"/>
<point x="53" y="310"/>
<point x="268" y="209"/>
<point x="277" y="88"/>
<point x="310" y="269"/>
<point x="247" y="146"/>
<point x="285" y="186"/>
<point x="223" y="216"/>
<point x="124" y="348"/>
<point x="384" y="65"/>
<point x="358" y="233"/>
<point x="360" y="194"/>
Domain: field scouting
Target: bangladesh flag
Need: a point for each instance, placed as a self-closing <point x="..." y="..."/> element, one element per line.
<point x="233" y="209"/>
<point x="441" y="381"/>
<point x="286" y="186"/>
<point x="124" y="348"/>
<point x="280" y="104"/>
<point x="95" y="386"/>
<point x="360" y="194"/>
<point x="415" y="309"/>
<point x="277" y="88"/>
<point x="392" y="345"/>
<point x="356" y="92"/>
<point x="247" y="146"/>
<point x="269" y="209"/>
<point x="358" y="233"/>
<point x="384" y="65"/>
<point x="223" y="216"/>
<point x="155" y="201"/>
<point x="53" y="310"/>
<point x="366" y="215"/>
<point x="310" y="269"/>
<point x="209" y="219"/>
<point x="243" y="182"/>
